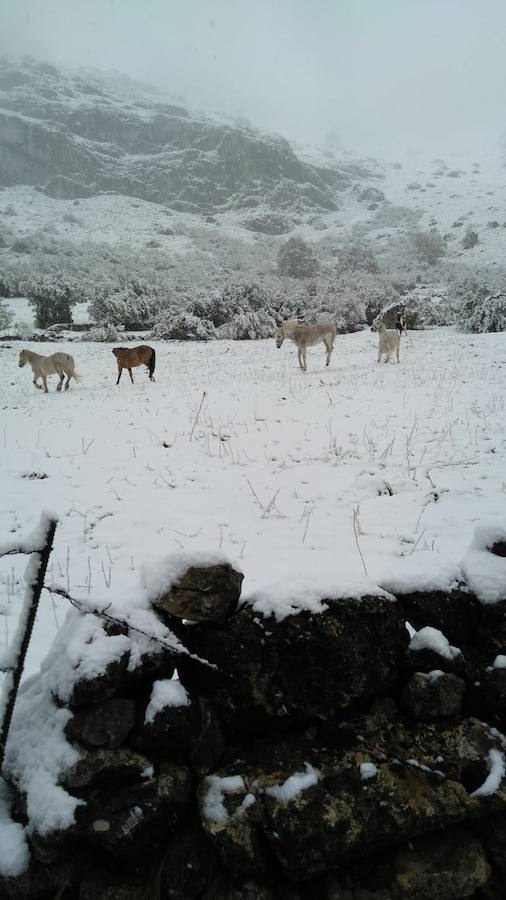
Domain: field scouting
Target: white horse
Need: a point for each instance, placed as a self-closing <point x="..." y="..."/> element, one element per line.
<point x="388" y="342"/>
<point x="57" y="364"/>
<point x="304" y="336"/>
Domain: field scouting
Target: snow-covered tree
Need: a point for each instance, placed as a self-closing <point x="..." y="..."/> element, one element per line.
<point x="124" y="307"/>
<point x="52" y="299"/>
<point x="429" y="245"/>
<point x="183" y="326"/>
<point x="296" y="259"/>
<point x="5" y="315"/>
<point x="482" y="310"/>
<point x="356" y="257"/>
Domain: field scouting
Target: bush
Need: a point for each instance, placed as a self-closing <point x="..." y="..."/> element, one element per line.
<point x="483" y="311"/>
<point x="296" y="259"/>
<point x="249" y="326"/>
<point x="6" y="315"/>
<point x="183" y="327"/>
<point x="102" y="333"/>
<point x="124" y="307"/>
<point x="356" y="257"/>
<point x="470" y="239"/>
<point x="429" y="246"/>
<point x="52" y="299"/>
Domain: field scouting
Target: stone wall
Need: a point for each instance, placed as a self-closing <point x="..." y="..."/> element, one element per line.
<point x="320" y="756"/>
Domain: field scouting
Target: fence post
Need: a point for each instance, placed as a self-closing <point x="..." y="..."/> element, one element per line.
<point x="34" y="590"/>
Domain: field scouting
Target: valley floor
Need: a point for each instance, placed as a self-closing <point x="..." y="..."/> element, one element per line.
<point x="304" y="480"/>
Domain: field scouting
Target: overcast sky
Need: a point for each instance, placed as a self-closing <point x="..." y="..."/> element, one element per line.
<point x="385" y="75"/>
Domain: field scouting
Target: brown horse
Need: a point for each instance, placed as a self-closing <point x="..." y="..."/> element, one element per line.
<point x="128" y="358"/>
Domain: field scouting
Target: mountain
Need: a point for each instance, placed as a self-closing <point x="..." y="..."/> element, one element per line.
<point x="76" y="135"/>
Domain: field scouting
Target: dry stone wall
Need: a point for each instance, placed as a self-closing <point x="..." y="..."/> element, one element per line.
<point x="321" y="756"/>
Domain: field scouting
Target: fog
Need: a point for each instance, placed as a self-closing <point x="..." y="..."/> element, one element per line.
<point x="384" y="76"/>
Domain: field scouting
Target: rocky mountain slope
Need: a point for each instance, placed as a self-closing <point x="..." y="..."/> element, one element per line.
<point x="76" y="135"/>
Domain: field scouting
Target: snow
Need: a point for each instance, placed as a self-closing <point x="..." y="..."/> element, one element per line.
<point x="277" y="463"/>
<point x="161" y="574"/>
<point x="217" y="789"/>
<point x="368" y="770"/>
<point x="168" y="692"/>
<point x="294" y="785"/>
<point x="429" y="638"/>
<point x="493" y="780"/>
<point x="14" y="853"/>
<point x="131" y="489"/>
<point x="484" y="571"/>
<point x="499" y="662"/>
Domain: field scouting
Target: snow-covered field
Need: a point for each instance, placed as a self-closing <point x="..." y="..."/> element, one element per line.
<point x="305" y="480"/>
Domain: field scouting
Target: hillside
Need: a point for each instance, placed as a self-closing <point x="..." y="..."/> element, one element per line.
<point x="111" y="182"/>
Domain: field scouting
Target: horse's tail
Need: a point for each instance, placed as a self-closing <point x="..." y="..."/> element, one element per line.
<point x="75" y="375"/>
<point x="152" y="363"/>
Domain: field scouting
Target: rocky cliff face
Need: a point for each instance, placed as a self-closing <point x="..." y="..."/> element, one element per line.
<point x="77" y="135"/>
<point x="324" y="755"/>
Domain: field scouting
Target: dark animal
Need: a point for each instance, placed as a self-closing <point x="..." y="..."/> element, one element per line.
<point x="129" y="357"/>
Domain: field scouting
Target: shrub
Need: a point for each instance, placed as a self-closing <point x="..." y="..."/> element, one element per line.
<point x="470" y="239"/>
<point x="182" y="327"/>
<point x="52" y="299"/>
<point x="102" y="333"/>
<point x="124" y="307"/>
<point x="248" y="326"/>
<point x="296" y="259"/>
<point x="483" y="311"/>
<point x="356" y="257"/>
<point x="6" y="315"/>
<point x="429" y="245"/>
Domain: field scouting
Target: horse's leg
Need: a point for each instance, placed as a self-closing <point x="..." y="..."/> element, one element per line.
<point x="398" y="348"/>
<point x="301" y="364"/>
<point x="120" y="372"/>
<point x="379" y="354"/>
<point x="131" y="376"/>
<point x="44" y="379"/>
<point x="328" y="347"/>
<point x="304" y="359"/>
<point x="37" y="385"/>
<point x="61" y="375"/>
<point x="69" y="376"/>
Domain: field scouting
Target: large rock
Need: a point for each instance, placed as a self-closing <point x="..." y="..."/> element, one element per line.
<point x="203" y="594"/>
<point x="433" y="695"/>
<point x="320" y="809"/>
<point x="137" y="818"/>
<point x="449" y="866"/>
<point x="304" y="667"/>
<point x="106" y="725"/>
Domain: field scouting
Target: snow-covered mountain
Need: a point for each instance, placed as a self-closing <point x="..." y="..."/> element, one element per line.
<point x="76" y="135"/>
<point x="101" y="177"/>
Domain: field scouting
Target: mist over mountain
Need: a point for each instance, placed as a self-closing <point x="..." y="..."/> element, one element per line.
<point x="111" y="183"/>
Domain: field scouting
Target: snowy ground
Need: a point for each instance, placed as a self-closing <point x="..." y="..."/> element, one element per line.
<point x="270" y="471"/>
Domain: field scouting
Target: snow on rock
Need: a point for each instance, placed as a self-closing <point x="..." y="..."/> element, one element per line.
<point x="422" y="572"/>
<point x="294" y="785"/>
<point x="429" y="638"/>
<point x="14" y="853"/>
<point x="485" y="572"/>
<point x="217" y="789"/>
<point x="168" y="692"/>
<point x="38" y="753"/>
<point x="368" y="770"/>
<point x="159" y="575"/>
<point x="493" y="780"/>
<point x="282" y="599"/>
<point x="499" y="662"/>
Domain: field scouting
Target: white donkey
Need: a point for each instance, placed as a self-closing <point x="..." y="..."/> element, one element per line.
<point x="57" y="364"/>
<point x="304" y="336"/>
<point x="388" y="342"/>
